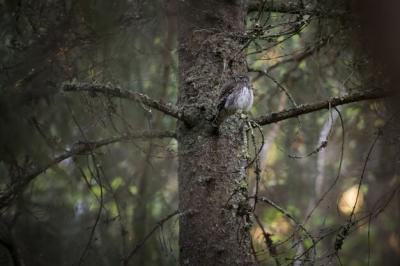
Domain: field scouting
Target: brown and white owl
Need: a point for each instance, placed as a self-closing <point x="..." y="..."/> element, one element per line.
<point x="236" y="96"/>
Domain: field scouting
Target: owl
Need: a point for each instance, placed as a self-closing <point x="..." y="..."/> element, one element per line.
<point x="236" y="96"/>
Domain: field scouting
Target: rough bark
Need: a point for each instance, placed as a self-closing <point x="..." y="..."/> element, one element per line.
<point x="212" y="181"/>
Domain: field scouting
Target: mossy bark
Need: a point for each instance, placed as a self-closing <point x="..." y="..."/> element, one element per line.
<point x="212" y="176"/>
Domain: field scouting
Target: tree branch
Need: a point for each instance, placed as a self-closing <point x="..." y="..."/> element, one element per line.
<point x="312" y="107"/>
<point x="115" y="91"/>
<point x="297" y="58"/>
<point x="78" y="148"/>
<point x="291" y="8"/>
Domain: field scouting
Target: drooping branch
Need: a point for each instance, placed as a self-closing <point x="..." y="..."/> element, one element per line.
<point x="115" y="91"/>
<point x="78" y="148"/>
<point x="312" y="107"/>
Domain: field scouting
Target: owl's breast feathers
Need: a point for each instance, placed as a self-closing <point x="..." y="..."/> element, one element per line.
<point x="244" y="99"/>
<point x="236" y="96"/>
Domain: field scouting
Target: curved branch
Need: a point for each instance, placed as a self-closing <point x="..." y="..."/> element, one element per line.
<point x="78" y="148"/>
<point x="115" y="91"/>
<point x="312" y="107"/>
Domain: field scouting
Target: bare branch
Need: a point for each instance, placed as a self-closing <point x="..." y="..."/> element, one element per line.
<point x="115" y="91"/>
<point x="291" y="8"/>
<point x="78" y="148"/>
<point x="296" y="58"/>
<point x="312" y="107"/>
<point x="293" y="219"/>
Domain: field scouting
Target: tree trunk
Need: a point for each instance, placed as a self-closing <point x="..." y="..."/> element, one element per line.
<point x="214" y="226"/>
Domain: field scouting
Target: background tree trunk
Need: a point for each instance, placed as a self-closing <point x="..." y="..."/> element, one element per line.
<point x="212" y="179"/>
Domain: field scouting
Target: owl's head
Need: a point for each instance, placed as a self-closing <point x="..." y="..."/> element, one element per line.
<point x="241" y="78"/>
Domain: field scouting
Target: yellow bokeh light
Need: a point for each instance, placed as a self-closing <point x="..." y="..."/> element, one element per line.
<point x="349" y="199"/>
<point x="272" y="156"/>
<point x="257" y="235"/>
<point x="281" y="226"/>
<point x="394" y="242"/>
<point x="278" y="227"/>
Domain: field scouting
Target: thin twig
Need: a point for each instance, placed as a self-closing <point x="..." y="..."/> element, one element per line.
<point x="288" y="7"/>
<point x="78" y="148"/>
<point x="371" y="149"/>
<point x="99" y="212"/>
<point x="339" y="169"/>
<point x="268" y="241"/>
<point x="294" y="220"/>
<point x="143" y="241"/>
